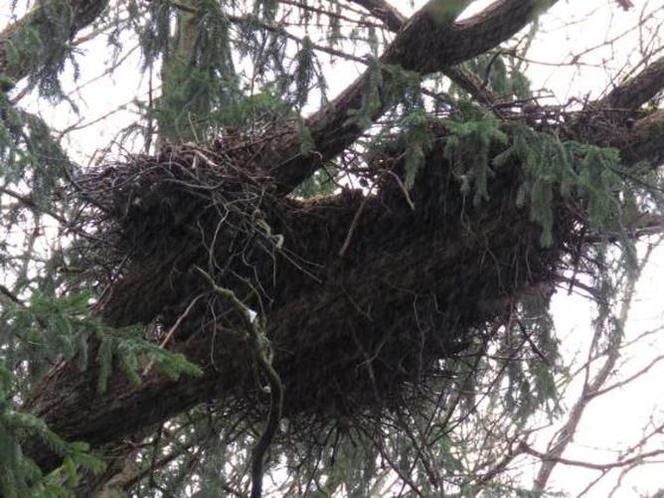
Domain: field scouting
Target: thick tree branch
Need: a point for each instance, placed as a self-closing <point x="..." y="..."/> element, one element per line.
<point x="430" y="41"/>
<point x="384" y="12"/>
<point x="645" y="141"/>
<point x="645" y="138"/>
<point x="395" y="20"/>
<point x="638" y="89"/>
<point x="432" y="31"/>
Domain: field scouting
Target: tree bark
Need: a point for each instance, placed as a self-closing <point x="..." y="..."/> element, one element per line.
<point x="634" y="92"/>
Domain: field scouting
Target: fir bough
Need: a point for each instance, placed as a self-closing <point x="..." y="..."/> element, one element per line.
<point x="70" y="326"/>
<point x="20" y="477"/>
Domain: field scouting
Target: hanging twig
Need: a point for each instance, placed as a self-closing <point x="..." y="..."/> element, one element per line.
<point x="260" y="348"/>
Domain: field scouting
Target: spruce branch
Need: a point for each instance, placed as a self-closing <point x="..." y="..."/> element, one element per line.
<point x="251" y="20"/>
<point x="84" y="13"/>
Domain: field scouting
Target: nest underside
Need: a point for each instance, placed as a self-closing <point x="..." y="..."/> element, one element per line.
<point x="368" y="298"/>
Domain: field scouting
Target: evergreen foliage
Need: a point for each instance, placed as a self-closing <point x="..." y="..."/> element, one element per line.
<point x="20" y="476"/>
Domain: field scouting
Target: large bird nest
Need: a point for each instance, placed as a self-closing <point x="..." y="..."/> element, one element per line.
<point x="367" y="296"/>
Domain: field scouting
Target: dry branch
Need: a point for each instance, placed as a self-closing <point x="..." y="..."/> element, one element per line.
<point x="639" y="89"/>
<point x="261" y="349"/>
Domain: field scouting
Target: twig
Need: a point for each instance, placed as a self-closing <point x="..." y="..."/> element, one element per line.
<point x="589" y="465"/>
<point x="177" y="323"/>
<point x="403" y="188"/>
<point x="629" y="379"/>
<point x="173" y="329"/>
<point x="260" y="348"/>
<point x="353" y="226"/>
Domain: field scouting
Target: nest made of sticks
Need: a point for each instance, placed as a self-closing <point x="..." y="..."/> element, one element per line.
<point x="367" y="297"/>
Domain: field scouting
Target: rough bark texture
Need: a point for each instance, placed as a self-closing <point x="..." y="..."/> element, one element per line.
<point x="636" y="91"/>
